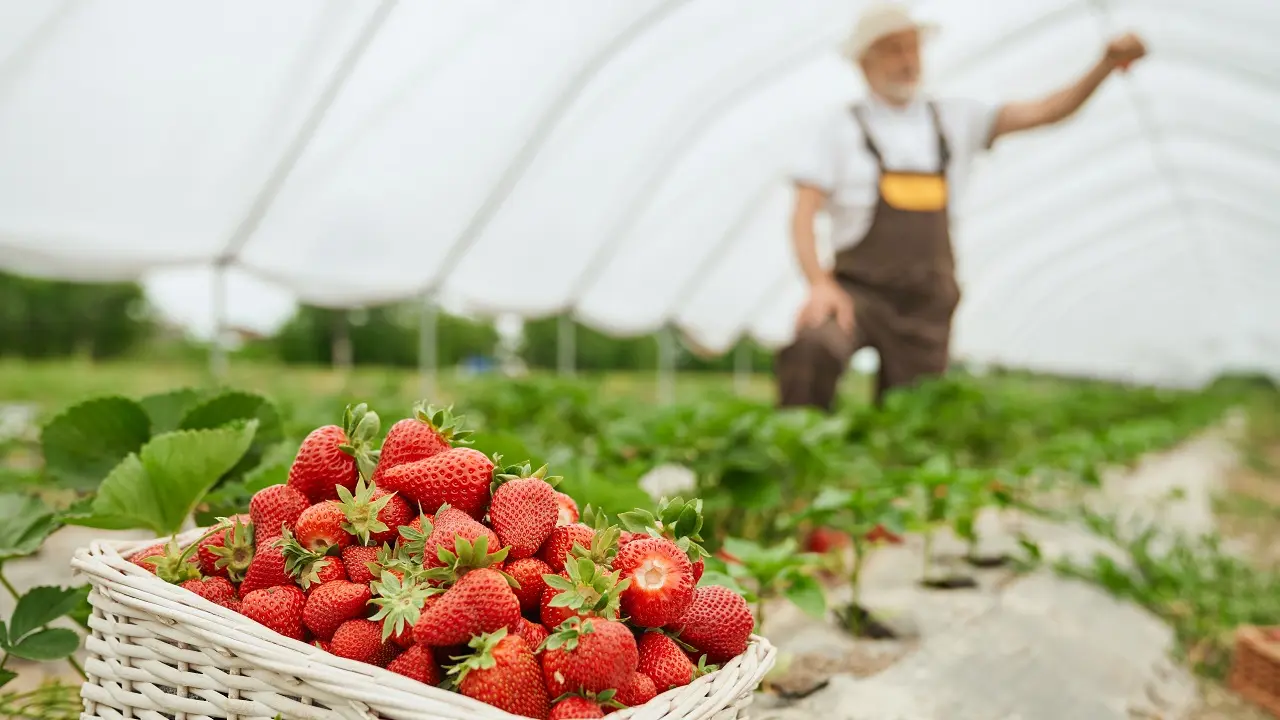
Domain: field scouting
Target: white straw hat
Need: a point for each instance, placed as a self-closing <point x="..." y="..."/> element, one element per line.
<point x="878" y="20"/>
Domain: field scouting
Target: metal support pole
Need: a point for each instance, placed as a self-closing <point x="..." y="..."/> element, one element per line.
<point x="428" y="352"/>
<point x="217" y="349"/>
<point x="666" y="366"/>
<point x="741" y="368"/>
<point x="566" y="350"/>
<point x="343" y="354"/>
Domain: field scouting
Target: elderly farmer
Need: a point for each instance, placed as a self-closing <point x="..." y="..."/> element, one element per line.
<point x="882" y="169"/>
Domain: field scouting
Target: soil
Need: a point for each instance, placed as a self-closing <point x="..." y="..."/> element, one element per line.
<point x="807" y="674"/>
<point x="951" y="582"/>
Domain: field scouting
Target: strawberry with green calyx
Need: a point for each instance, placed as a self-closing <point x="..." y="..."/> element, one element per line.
<point x="333" y="456"/>
<point x="279" y="608"/>
<point x="230" y="557"/>
<point x="586" y="589"/>
<point x="429" y="432"/>
<point x="373" y="516"/>
<point x="676" y="520"/>
<point x="480" y="602"/>
<point x="467" y="557"/>
<point x="503" y="672"/>
<point x="399" y="603"/>
<point x="451" y="524"/>
<point x="660" y="581"/>
<point x="559" y="547"/>
<point x="413" y="536"/>
<point x="303" y="566"/>
<point x="174" y="564"/>
<point x="320" y="527"/>
<point x="588" y="655"/>
<point x="459" y="476"/>
<point x="398" y="562"/>
<point x="523" y="510"/>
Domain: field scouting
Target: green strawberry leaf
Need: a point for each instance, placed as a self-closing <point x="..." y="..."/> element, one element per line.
<point x="807" y="595"/>
<point x="159" y="487"/>
<point x="84" y="442"/>
<point x="715" y="577"/>
<point x="25" y="522"/>
<point x="41" y="606"/>
<point x="234" y="405"/>
<point x="46" y="645"/>
<point x="166" y="410"/>
<point x="6" y="676"/>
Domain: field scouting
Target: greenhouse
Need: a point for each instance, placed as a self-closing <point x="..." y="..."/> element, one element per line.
<point x="798" y="359"/>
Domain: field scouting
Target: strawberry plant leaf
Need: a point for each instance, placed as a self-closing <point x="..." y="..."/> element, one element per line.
<point x="166" y="410"/>
<point x="159" y="487"/>
<point x="231" y="406"/>
<point x="807" y="595"/>
<point x="715" y="577"/>
<point x="46" y="645"/>
<point x="84" y="442"/>
<point x="40" y="606"/>
<point x="6" y="676"/>
<point x="25" y="522"/>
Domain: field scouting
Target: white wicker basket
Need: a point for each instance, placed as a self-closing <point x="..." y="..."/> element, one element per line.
<point x="157" y="651"/>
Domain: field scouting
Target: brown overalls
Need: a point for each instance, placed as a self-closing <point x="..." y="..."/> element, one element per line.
<point x="902" y="279"/>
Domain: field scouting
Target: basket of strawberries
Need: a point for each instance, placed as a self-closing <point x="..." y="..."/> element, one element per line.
<point x="422" y="580"/>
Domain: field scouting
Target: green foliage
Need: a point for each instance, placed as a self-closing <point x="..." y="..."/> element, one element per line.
<point x="385" y="335"/>
<point x="25" y="522"/>
<point x="48" y="319"/>
<point x="777" y="571"/>
<point x="158" y="488"/>
<point x="84" y="442"/>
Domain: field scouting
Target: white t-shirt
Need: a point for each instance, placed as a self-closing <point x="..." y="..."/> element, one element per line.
<point x="838" y="161"/>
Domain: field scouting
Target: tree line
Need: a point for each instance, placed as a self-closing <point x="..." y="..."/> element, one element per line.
<point x="41" y="319"/>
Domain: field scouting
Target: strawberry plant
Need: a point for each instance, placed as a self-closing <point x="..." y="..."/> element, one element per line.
<point x="778" y="571"/>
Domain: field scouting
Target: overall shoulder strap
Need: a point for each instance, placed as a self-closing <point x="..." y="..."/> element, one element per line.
<point x="859" y="114"/>
<point x="944" y="151"/>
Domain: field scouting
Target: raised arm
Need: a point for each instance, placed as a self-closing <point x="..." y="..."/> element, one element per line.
<point x="1018" y="116"/>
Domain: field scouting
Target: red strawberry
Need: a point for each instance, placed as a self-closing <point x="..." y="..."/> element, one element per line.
<point x="717" y="623"/>
<point x="480" y="602"/>
<point x="524" y="510"/>
<point x="528" y="573"/>
<point x="661" y="581"/>
<point x="567" y="512"/>
<point x="637" y="690"/>
<point x="217" y="590"/>
<point x="361" y="640"/>
<point x="320" y="528"/>
<point x="575" y="706"/>
<point x="329" y="569"/>
<point x="503" y="672"/>
<point x="662" y="660"/>
<point x="591" y="655"/>
<point x="333" y="603"/>
<point x="357" y="559"/>
<point x="430" y="431"/>
<point x="333" y="456"/>
<point x="553" y="616"/>
<point x="561" y="543"/>
<point x="417" y="663"/>
<point x="881" y="534"/>
<point x="279" y="608"/>
<point x="698" y="568"/>
<point x="533" y="634"/>
<point x="627" y="536"/>
<point x="228" y="553"/>
<point x="266" y="570"/>
<point x="450" y="524"/>
<point x="324" y="645"/>
<point x="373" y="515"/>
<point x="584" y="589"/>
<point x="169" y="561"/>
<point x="459" y="477"/>
<point x="147" y="557"/>
<point x="274" y="508"/>
<point x="824" y="540"/>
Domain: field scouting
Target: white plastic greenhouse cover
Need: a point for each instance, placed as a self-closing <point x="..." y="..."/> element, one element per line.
<point x="627" y="160"/>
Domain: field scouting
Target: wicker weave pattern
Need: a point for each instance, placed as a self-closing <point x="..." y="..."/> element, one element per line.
<point x="1255" y="668"/>
<point x="158" y="652"/>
